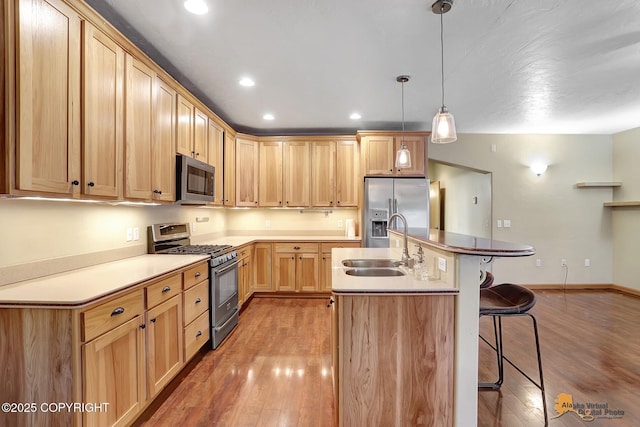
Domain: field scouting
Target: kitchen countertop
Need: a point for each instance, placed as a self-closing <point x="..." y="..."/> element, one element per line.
<point x="343" y="283"/>
<point x="79" y="287"/>
<point x="463" y="244"/>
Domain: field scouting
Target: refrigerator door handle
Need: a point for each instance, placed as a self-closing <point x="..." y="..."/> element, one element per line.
<point x="395" y="205"/>
<point x="391" y="212"/>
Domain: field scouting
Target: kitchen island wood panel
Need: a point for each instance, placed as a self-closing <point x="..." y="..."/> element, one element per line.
<point x="395" y="360"/>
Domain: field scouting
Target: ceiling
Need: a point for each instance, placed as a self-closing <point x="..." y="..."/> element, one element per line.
<point x="511" y="66"/>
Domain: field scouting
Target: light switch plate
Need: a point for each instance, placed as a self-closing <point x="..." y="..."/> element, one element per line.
<point x="506" y="223"/>
<point x="136" y="233"/>
<point x="442" y="264"/>
<point x="129" y="234"/>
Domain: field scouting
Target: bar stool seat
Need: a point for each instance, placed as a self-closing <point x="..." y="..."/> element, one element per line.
<point x="488" y="279"/>
<point x="508" y="300"/>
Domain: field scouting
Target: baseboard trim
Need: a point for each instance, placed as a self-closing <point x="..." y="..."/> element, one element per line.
<point x="586" y="286"/>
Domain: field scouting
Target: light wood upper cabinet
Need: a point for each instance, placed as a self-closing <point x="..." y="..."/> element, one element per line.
<point x="247" y="153"/>
<point x="200" y="127"/>
<point x="164" y="142"/>
<point x="323" y="173"/>
<point x="379" y="153"/>
<point x="347" y="173"/>
<point x="297" y="164"/>
<point x="138" y="138"/>
<point x="215" y="149"/>
<point x="229" y="189"/>
<point x="113" y="371"/>
<point x="270" y="182"/>
<point x="186" y="111"/>
<point x="103" y="113"/>
<point x="48" y="114"/>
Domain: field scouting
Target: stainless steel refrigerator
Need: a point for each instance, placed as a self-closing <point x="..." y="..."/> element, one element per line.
<point x="385" y="196"/>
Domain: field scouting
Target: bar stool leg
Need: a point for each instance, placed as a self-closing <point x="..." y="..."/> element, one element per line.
<point x="541" y="385"/>
<point x="497" y="333"/>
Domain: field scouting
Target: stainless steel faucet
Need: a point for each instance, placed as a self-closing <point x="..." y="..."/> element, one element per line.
<point x="405" y="251"/>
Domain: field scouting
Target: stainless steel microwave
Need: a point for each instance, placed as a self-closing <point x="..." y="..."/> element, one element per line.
<point x="194" y="181"/>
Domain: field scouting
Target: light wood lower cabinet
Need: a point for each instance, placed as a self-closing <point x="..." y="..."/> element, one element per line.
<point x="402" y="343"/>
<point x="245" y="273"/>
<point x="120" y="351"/>
<point x="325" y="261"/>
<point x="262" y="256"/>
<point x="295" y="267"/>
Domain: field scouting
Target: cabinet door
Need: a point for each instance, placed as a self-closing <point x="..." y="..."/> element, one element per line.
<point x="164" y="343"/>
<point x="139" y="83"/>
<point x="216" y="159"/>
<point x="164" y="143"/>
<point x="48" y="91"/>
<point x="262" y="268"/>
<point x="229" y="184"/>
<point x="103" y="114"/>
<point x="378" y="155"/>
<point x="284" y="271"/>
<point x="248" y="277"/>
<point x="113" y="372"/>
<point x="246" y="172"/>
<point x="323" y="173"/>
<point x="307" y="277"/>
<point x="297" y="164"/>
<point x="347" y="183"/>
<point x="416" y="146"/>
<point x="325" y="272"/>
<point x="200" y="127"/>
<point x="270" y="182"/>
<point x="185" y="127"/>
<point x="241" y="282"/>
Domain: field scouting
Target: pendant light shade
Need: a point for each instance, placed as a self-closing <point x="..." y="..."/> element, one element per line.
<point x="403" y="156"/>
<point x="443" y="129"/>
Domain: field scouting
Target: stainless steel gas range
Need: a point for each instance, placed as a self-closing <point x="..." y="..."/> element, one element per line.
<point x="175" y="238"/>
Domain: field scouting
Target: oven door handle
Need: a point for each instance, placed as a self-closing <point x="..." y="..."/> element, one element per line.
<point x="229" y="267"/>
<point x="226" y="322"/>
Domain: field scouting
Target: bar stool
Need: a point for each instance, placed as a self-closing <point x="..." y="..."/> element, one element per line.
<point x="508" y="300"/>
<point x="488" y="279"/>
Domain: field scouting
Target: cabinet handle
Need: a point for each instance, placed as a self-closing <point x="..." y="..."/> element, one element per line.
<point x="90" y="184"/>
<point x="293" y="257"/>
<point x="197" y="154"/>
<point x="166" y="289"/>
<point x="75" y="182"/>
<point x="117" y="310"/>
<point x="255" y="203"/>
<point x="153" y="320"/>
<point x="390" y="170"/>
<point x="280" y="202"/>
<point x="331" y="202"/>
<point x="198" y="300"/>
<point x="198" y="333"/>
<point x="296" y="247"/>
<point x="157" y="191"/>
<point x="331" y="301"/>
<point x="197" y="274"/>
<point x="143" y="326"/>
<point x="193" y="153"/>
<point x="338" y="201"/>
<point x="300" y="257"/>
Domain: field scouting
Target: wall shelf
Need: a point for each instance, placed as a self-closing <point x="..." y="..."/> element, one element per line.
<point x="629" y="203"/>
<point x="598" y="184"/>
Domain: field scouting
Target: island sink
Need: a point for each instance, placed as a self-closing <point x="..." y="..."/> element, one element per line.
<point x="371" y="263"/>
<point x="374" y="272"/>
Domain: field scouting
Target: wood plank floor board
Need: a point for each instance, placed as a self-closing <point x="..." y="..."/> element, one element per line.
<point x="274" y="370"/>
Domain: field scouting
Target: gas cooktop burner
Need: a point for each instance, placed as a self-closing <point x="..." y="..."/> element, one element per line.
<point x="197" y="249"/>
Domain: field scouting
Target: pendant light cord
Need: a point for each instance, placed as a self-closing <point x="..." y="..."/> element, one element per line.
<point x="402" y="114"/>
<point x="442" y="52"/>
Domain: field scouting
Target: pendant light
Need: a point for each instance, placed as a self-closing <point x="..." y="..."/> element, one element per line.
<point x="443" y="129"/>
<point x="403" y="156"/>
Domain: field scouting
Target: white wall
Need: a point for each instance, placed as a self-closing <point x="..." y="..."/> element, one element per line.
<point x="626" y="221"/>
<point x="467" y="202"/>
<point x="548" y="211"/>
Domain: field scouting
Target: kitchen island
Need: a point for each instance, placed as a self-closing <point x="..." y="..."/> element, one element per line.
<point x="407" y="346"/>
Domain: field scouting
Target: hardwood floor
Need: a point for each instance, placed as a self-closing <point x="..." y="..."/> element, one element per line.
<point x="274" y="370"/>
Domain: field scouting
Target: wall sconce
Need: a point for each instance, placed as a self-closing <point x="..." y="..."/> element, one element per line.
<point x="539" y="168"/>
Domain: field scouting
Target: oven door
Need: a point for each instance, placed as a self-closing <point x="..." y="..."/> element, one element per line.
<point x="224" y="292"/>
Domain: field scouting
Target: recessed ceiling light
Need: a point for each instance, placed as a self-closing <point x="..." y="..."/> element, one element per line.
<point x="268" y="116"/>
<point x="197" y="7"/>
<point x="247" y="82"/>
<point x="355" y="116"/>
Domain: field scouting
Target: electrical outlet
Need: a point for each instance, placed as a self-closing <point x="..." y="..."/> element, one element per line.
<point x="563" y="262"/>
<point x="494" y="148"/>
<point x="499" y="223"/>
<point x="397" y="243"/>
<point x="267" y="224"/>
<point x="538" y="263"/>
<point x="136" y="233"/>
<point x="587" y="262"/>
<point x="340" y="223"/>
<point x="129" y="234"/>
<point x="442" y="264"/>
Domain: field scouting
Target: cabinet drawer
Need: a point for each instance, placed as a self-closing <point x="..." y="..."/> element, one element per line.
<point x="296" y="247"/>
<point x="327" y="246"/>
<point x="104" y="317"/>
<point x="163" y="290"/>
<point x="196" y="335"/>
<point x="195" y="275"/>
<point x="245" y="251"/>
<point x="196" y="301"/>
